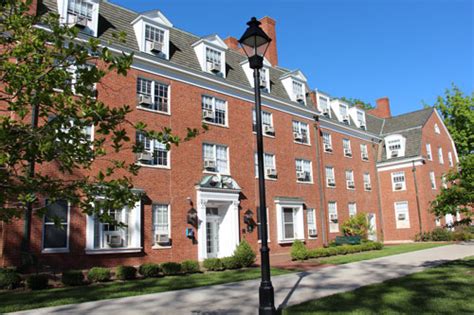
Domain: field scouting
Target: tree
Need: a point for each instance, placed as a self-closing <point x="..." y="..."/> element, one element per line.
<point x="357" y="225"/>
<point x="48" y="100"/>
<point x="357" y="102"/>
<point x="457" y="112"/>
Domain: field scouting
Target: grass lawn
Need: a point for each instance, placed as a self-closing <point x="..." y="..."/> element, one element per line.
<point x="388" y="250"/>
<point x="11" y="301"/>
<point x="446" y="289"/>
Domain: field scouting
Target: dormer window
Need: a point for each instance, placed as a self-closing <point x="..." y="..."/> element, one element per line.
<point x="343" y="111"/>
<point x="298" y="91"/>
<point x="324" y="106"/>
<point x="152" y="33"/>
<point x="295" y="86"/>
<point x="265" y="80"/>
<point x="264" y="75"/>
<point x="213" y="60"/>
<point x="361" y="119"/>
<point x="210" y="52"/>
<point x="395" y="145"/>
<point x="83" y="14"/>
<point x="154" y="39"/>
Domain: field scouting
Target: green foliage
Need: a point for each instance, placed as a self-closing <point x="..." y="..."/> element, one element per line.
<point x="190" y="266"/>
<point x="126" y="272"/>
<point x="72" y="277"/>
<point x="9" y="279"/>
<point x="213" y="264"/>
<point x="37" y="282"/>
<point x="244" y="254"/>
<point x="298" y="251"/>
<point x="149" y="270"/>
<point x="231" y="263"/>
<point x="462" y="233"/>
<point x="343" y="249"/>
<point x="357" y="225"/>
<point x="171" y="268"/>
<point x="99" y="274"/>
<point x="357" y="102"/>
<point x="57" y="79"/>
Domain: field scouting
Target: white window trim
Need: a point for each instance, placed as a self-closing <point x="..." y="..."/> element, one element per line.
<point x="440" y="155"/>
<point x="268" y="227"/>
<point x="265" y="167"/>
<point x="369" y="181"/>
<point x="254" y="123"/>
<point x="399" y="224"/>
<point x="433" y="180"/>
<point x="330" y="142"/>
<point x="300" y="127"/>
<point x="226" y="125"/>
<point x="354" y="208"/>
<point x="404" y="183"/>
<point x="333" y="172"/>
<point x="366" y="152"/>
<point x="157" y="246"/>
<point x="401" y="151"/>
<point x="429" y="153"/>
<point x="331" y="223"/>
<point x="450" y="159"/>
<point x="436" y="129"/>
<point x="313" y="210"/>
<point x="215" y="158"/>
<point x="351" y="180"/>
<point x="298" y="223"/>
<point x="45" y="250"/>
<point x="349" y="153"/>
<point x="91" y="28"/>
<point x="168" y="166"/>
<point x="168" y="105"/>
<point x="310" y="172"/>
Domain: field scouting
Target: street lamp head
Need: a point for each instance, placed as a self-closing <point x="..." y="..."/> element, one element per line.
<point x="255" y="43"/>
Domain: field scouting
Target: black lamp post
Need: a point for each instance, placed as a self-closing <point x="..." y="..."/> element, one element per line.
<point x="255" y="43"/>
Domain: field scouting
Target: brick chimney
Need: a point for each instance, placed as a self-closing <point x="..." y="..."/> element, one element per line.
<point x="233" y="43"/>
<point x="268" y="26"/>
<point x="382" y="108"/>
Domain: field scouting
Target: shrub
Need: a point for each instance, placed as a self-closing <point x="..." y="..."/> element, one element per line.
<point x="37" y="282"/>
<point x="171" y="268"/>
<point x="149" y="270"/>
<point x="440" y="234"/>
<point x="126" y="272"/>
<point x="72" y="277"/>
<point x="190" y="266"/>
<point x="298" y="251"/>
<point x="98" y="274"/>
<point x="244" y="254"/>
<point x="231" y="263"/>
<point x="357" y="225"/>
<point x="213" y="264"/>
<point x="343" y="250"/>
<point x="461" y="235"/>
<point x="9" y="279"/>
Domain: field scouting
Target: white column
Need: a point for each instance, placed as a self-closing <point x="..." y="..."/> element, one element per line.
<point x="201" y="229"/>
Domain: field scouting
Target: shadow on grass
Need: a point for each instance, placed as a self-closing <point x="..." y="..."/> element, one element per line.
<point x="446" y="289"/>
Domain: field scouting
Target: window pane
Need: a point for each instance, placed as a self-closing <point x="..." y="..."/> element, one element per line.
<point x="57" y="210"/>
<point x="55" y="237"/>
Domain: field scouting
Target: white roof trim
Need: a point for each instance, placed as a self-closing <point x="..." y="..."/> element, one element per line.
<point x="212" y="40"/>
<point x="295" y="74"/>
<point x="154" y="16"/>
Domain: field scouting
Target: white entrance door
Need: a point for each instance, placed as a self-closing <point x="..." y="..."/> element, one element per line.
<point x="212" y="232"/>
<point x="372" y="235"/>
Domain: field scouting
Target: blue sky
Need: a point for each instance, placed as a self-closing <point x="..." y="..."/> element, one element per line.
<point x="408" y="50"/>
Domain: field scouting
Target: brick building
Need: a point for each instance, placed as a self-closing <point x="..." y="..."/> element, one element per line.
<point x="325" y="160"/>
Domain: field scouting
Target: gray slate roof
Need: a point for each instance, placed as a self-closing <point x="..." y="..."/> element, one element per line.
<point x="407" y="121"/>
<point x="412" y="146"/>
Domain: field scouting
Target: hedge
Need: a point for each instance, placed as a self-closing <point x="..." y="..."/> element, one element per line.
<point x="190" y="266"/>
<point x="300" y="252"/>
<point x="213" y="264"/>
<point x="231" y="262"/>
<point x="98" y="274"/>
<point x="444" y="235"/>
<point x="171" y="268"/>
<point x="126" y="272"/>
<point x="244" y="254"/>
<point x="37" y="282"/>
<point x="9" y="279"/>
<point x="72" y="277"/>
<point x="149" y="270"/>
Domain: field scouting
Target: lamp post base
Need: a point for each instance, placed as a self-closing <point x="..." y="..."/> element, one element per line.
<point x="267" y="303"/>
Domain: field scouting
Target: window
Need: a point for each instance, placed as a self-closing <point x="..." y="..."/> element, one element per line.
<point x="361" y="119"/>
<point x="267" y="123"/>
<point x="330" y="178"/>
<point x="80" y="8"/>
<point x="56" y="226"/>
<point x="436" y="129"/>
<point x="154" y="152"/>
<point x="346" y="145"/>
<point x="350" y="179"/>
<point x="311" y="220"/>
<point x="298" y="91"/>
<point x="327" y="142"/>
<point x="264" y="80"/>
<point x="450" y="159"/>
<point x="152" y="95"/>
<point x="108" y="235"/>
<point x="300" y="132"/>
<point x="364" y="152"/>
<point x="215" y="158"/>
<point x="444" y="183"/>
<point x="352" y="206"/>
<point x="304" y="171"/>
<point x="290" y="220"/>
<point x="440" y="155"/>
<point x="398" y="181"/>
<point x="154" y="35"/>
<point x="438" y="221"/>
<point x="324" y="106"/>
<point x="161" y="225"/>
<point x="367" y="183"/>
<point x="288" y="223"/>
<point x="333" y="219"/>
<point x="269" y="163"/>
<point x="214" y="110"/>
<point x="213" y="60"/>
<point x="401" y="215"/>
<point x="259" y="232"/>
<point x="428" y="152"/>
<point x="343" y="112"/>
<point x="394" y="147"/>
<point x="433" y="180"/>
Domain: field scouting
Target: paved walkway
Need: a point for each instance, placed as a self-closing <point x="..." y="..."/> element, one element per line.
<point x="242" y="297"/>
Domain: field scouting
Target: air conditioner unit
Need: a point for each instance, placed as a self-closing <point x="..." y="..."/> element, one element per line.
<point x="331" y="182"/>
<point x="362" y="126"/>
<point x="333" y="217"/>
<point x="347" y="152"/>
<point x="207" y="114"/>
<point x="312" y="233"/>
<point x="350" y="184"/>
<point x="210" y="164"/>
<point x="398" y="186"/>
<point x="301" y="175"/>
<point x="263" y="83"/>
<point x="394" y="153"/>
<point x="327" y="147"/>
<point x="345" y="118"/>
<point x="298" y="136"/>
<point x="113" y="239"/>
<point x="299" y="97"/>
<point x="144" y="100"/>
<point x="401" y="216"/>
<point x="156" y="47"/>
<point x="162" y="239"/>
<point x="326" y="111"/>
<point x="268" y="129"/>
<point x="271" y="172"/>
<point x="365" y="156"/>
<point x="145" y="157"/>
<point x="213" y="67"/>
<point x="368" y="186"/>
<point x="80" y="21"/>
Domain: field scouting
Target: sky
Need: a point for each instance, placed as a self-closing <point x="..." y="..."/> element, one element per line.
<point x="408" y="50"/>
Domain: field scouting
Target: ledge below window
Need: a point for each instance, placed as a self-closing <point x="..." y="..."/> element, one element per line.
<point x="291" y="241"/>
<point x="113" y="250"/>
<point x="55" y="251"/>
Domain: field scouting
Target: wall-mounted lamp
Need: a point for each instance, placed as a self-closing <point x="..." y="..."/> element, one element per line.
<point x="192" y="217"/>
<point x="248" y="219"/>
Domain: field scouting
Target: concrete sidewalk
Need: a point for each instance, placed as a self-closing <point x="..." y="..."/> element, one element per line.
<point x="242" y="297"/>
